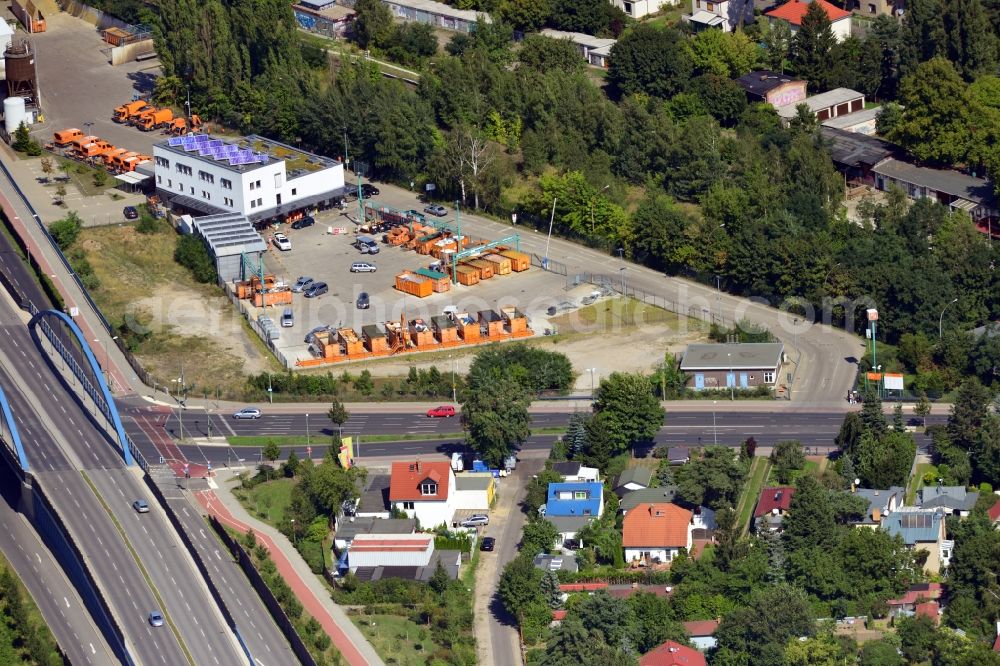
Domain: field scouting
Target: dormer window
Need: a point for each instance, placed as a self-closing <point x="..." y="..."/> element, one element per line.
<point x="580" y="495"/>
<point x="428" y="488"/>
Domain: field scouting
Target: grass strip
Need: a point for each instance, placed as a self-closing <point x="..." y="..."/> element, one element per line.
<point x="751" y="491"/>
<point x="138" y="561"/>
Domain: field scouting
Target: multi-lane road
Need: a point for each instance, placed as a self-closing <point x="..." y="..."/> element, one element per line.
<point x="419" y="435"/>
<point x="138" y="560"/>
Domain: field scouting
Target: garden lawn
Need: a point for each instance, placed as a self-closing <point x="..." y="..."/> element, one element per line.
<point x="269" y="500"/>
<point x="398" y="638"/>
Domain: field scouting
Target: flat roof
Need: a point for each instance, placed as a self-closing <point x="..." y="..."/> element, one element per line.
<point x="580" y="38"/>
<point x="247" y="154"/>
<point x="851" y="119"/>
<point x="735" y="356"/>
<point x="823" y="100"/>
<point x="854" y="149"/>
<point x="441" y="9"/>
<point x="955" y="183"/>
<point x="467" y="482"/>
<point x="326" y="8"/>
<point x="228" y="234"/>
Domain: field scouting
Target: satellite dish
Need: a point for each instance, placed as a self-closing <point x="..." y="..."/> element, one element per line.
<point x="857" y="482"/>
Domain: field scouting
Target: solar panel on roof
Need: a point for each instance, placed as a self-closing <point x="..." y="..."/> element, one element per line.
<point x="202" y="138"/>
<point x="175" y="141"/>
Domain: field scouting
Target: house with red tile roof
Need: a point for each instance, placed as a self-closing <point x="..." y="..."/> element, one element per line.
<point x="672" y="654"/>
<point x="772" y="505"/>
<point x="423" y="490"/>
<point x="656" y="532"/>
<point x="929" y="609"/>
<point x="793" y="11"/>
<point x="914" y="597"/>
<point x="994" y="513"/>
<point x="702" y="633"/>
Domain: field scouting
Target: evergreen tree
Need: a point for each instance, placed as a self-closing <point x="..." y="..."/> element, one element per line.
<point x="576" y="434"/>
<point x="550" y="590"/>
<point x="922" y="408"/>
<point x="971" y="41"/>
<point x="968" y="413"/>
<point x="810" y="521"/>
<point x="812" y="48"/>
<point x="923" y="33"/>
<point x="898" y="424"/>
<point x="871" y="413"/>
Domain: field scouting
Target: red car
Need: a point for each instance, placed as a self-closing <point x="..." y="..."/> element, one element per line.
<point x="444" y="411"/>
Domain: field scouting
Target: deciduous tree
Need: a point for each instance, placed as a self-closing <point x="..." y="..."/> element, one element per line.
<point x="651" y="60"/>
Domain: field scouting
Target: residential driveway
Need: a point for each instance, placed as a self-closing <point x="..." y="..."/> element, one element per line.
<point x="497" y="640"/>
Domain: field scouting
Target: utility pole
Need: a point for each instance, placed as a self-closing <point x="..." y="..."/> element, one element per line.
<point x="872" y="314"/>
<point x="548" y="239"/>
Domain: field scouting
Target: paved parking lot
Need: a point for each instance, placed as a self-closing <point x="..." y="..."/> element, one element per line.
<point x="79" y="86"/>
<point x="327" y="257"/>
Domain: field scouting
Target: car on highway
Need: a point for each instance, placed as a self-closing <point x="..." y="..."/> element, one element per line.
<point x="302" y="284"/>
<point x="304" y="222"/>
<point x="364" y="302"/>
<point x="156" y="618"/>
<point x="488" y="544"/>
<point x="316" y="289"/>
<point x="368" y="191"/>
<point x="141" y="506"/>
<point x="247" y="413"/>
<point x="441" y="412"/>
<point x="281" y="242"/>
<point x="363" y="267"/>
<point x="436" y="209"/>
<point x="476" y="520"/>
<point x="130" y="213"/>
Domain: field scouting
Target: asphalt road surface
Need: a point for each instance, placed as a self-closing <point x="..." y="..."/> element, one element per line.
<point x="692" y="428"/>
<point x="71" y="441"/>
<point x="53" y="593"/>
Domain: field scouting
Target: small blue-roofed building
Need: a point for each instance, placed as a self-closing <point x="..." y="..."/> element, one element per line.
<point x="572" y="505"/>
<point x="922" y="529"/>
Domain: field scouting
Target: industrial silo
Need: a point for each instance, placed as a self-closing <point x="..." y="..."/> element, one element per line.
<point x="22" y="80"/>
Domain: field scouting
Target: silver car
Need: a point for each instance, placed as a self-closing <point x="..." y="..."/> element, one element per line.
<point x="302" y="284"/>
<point x="247" y="413"/>
<point x="156" y="618"/>
<point x="141" y="506"/>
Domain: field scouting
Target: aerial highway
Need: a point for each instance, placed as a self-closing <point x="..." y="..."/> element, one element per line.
<point x="60" y="604"/>
<point x="74" y="460"/>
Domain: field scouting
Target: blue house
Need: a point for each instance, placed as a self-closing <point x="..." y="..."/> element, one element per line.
<point x="922" y="529"/>
<point x="572" y="505"/>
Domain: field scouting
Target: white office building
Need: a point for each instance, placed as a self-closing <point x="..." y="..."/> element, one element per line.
<point x="257" y="177"/>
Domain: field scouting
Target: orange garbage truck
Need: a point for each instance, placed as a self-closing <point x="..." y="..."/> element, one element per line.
<point x="66" y="136"/>
<point x="124" y="112"/>
<point x="155" y="119"/>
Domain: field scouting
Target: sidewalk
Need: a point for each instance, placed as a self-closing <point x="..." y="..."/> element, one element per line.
<point x="27" y="227"/>
<point x="304" y="583"/>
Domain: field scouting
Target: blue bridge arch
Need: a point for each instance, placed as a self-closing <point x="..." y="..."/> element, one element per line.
<point x="100" y="394"/>
<point x="8" y="417"/>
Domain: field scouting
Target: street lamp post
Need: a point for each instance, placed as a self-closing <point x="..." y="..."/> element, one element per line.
<point x="270" y="390"/>
<point x="715" y="431"/>
<point x="307" y="429"/>
<point x="718" y="296"/>
<point x="593" y="388"/>
<point x="941" y="318"/>
<point x="592" y="202"/>
<point x="454" y="392"/>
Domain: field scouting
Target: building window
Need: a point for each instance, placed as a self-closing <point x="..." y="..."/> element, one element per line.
<point x="192" y="189"/>
<point x="711" y="6"/>
<point x="407" y="506"/>
<point x="206" y="177"/>
<point x="277" y="180"/>
<point x="170" y="183"/>
<point x="253" y="204"/>
<point x="159" y="179"/>
<point x="163" y="162"/>
<point x="768" y="376"/>
<point x="184" y="169"/>
<point x="257" y="183"/>
<point x="295" y="191"/>
<point x="697" y="4"/>
<point x="628" y="8"/>
<point x="251" y="186"/>
<point x="260" y="202"/>
<point x="227" y="184"/>
<point x="580" y="495"/>
<point x="428" y="488"/>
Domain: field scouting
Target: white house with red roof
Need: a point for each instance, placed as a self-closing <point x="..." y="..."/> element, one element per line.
<point x="423" y="490"/>
<point x="772" y="505"/>
<point x="672" y="653"/>
<point x="794" y="11"/>
<point x="390" y="550"/>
